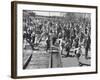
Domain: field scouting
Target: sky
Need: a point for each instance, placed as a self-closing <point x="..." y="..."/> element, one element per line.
<point x="47" y="13"/>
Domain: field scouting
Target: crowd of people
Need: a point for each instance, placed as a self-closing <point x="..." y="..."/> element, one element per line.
<point x="58" y="32"/>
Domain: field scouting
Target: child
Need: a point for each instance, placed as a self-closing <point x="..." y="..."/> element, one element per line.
<point x="78" y="52"/>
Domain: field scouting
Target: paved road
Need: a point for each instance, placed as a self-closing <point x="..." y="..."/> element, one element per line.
<point x="43" y="59"/>
<point x="73" y="61"/>
<point x="40" y="59"/>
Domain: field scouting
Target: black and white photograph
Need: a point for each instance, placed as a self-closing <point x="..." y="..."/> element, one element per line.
<point x="56" y="39"/>
<point x="53" y="39"/>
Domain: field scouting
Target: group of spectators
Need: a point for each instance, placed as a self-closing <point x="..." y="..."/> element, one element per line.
<point x="58" y="32"/>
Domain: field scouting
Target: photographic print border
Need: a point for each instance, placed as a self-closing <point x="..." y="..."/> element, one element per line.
<point x="14" y="37"/>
